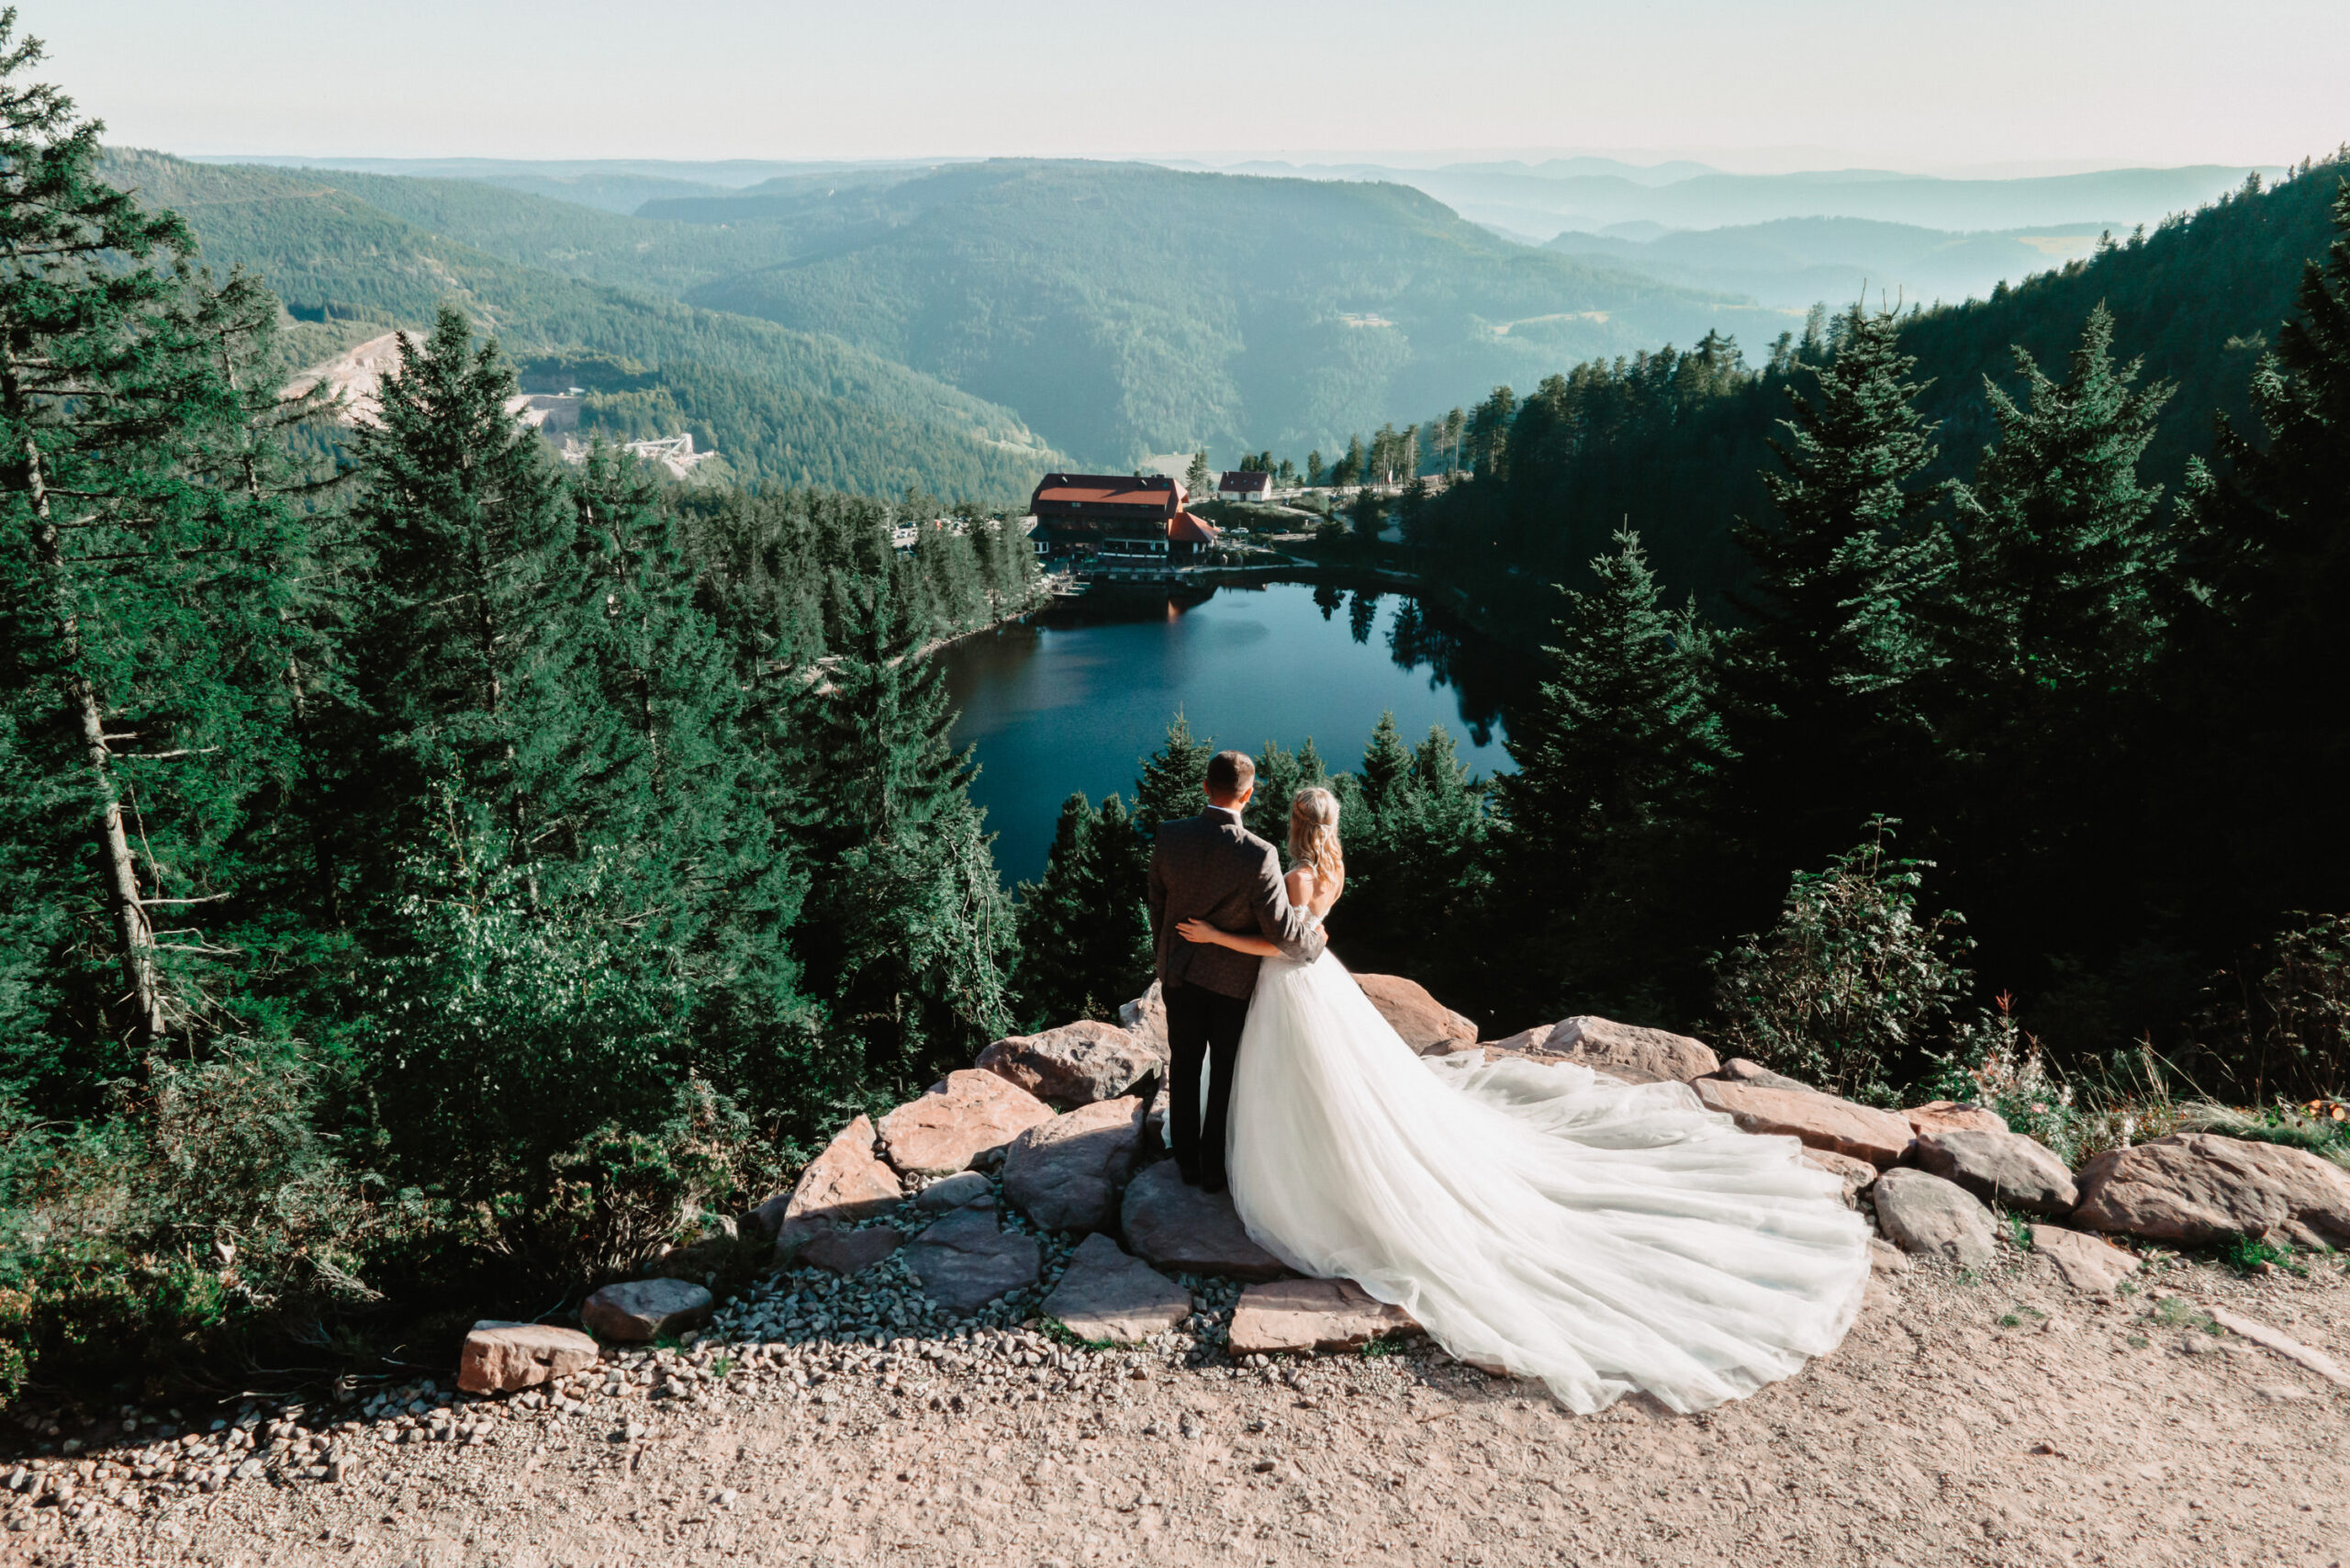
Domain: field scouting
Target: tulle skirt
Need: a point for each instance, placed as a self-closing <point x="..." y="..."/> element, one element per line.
<point x="1543" y="1220"/>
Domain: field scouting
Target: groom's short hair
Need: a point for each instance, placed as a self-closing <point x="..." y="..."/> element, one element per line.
<point x="1230" y="772"/>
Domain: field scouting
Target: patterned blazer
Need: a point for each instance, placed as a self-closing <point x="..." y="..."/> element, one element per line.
<point x="1211" y="869"/>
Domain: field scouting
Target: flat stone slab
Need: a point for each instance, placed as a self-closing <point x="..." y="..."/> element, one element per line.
<point x="1066" y="1174"/>
<point x="2200" y="1188"/>
<point x="1427" y="1025"/>
<point x="498" y="1358"/>
<point x="1949" y="1117"/>
<point x="850" y="1251"/>
<point x="1287" y="1316"/>
<point x="962" y="1262"/>
<point x="1822" y="1121"/>
<point x="1630" y="1052"/>
<point x="2284" y="1344"/>
<point x="1179" y="1228"/>
<point x="2002" y="1168"/>
<point x="644" y="1309"/>
<point x="1106" y="1294"/>
<point x="968" y="1114"/>
<point x="1077" y="1064"/>
<point x="847" y="1183"/>
<point x="2087" y="1263"/>
<point x="1925" y="1214"/>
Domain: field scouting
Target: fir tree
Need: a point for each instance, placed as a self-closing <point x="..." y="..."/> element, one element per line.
<point x="1084" y="930"/>
<point x="1172" y="778"/>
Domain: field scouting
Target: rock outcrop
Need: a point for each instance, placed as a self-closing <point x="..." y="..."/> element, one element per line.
<point x="498" y="1358"/>
<point x="1146" y="1018"/>
<point x="1077" y="1064"/>
<point x="1105" y="1295"/>
<point x="1068" y="1173"/>
<point x="1858" y="1175"/>
<point x="957" y="1121"/>
<point x="1629" y="1051"/>
<point x="1949" y="1117"/>
<point x="2087" y="1263"/>
<point x="1925" y="1214"/>
<point x="957" y="1192"/>
<point x="1289" y="1315"/>
<point x="641" y="1310"/>
<point x="1822" y="1121"/>
<point x="964" y="1261"/>
<point x="1178" y="1228"/>
<point x="2002" y="1168"/>
<point x="850" y="1251"/>
<point x="847" y="1183"/>
<point x="1426" y="1024"/>
<point x="2199" y="1188"/>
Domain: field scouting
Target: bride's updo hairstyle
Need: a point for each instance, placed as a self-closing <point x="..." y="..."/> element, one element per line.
<point x="1314" y="832"/>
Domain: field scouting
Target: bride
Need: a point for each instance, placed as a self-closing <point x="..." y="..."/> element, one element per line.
<point x="1542" y="1218"/>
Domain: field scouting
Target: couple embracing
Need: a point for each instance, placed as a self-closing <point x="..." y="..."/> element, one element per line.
<point x="1537" y="1217"/>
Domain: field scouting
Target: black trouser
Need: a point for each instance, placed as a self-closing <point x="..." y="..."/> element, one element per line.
<point x="1201" y="1023"/>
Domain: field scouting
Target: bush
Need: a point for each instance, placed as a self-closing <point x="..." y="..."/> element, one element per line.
<point x="2288" y="1031"/>
<point x="1851" y="985"/>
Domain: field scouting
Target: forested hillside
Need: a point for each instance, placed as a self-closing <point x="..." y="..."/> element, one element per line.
<point x="791" y="407"/>
<point x="1127" y="310"/>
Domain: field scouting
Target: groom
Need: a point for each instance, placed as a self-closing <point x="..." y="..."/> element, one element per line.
<point x="1211" y="869"/>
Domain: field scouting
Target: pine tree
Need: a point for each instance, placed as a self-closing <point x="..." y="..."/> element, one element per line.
<point x="1280" y="776"/>
<point x="1172" y="778"/>
<point x="1197" y="480"/>
<point x="139" y="636"/>
<point x="906" y="931"/>
<point x="1823" y="677"/>
<point x="1618" y="758"/>
<point x="1084" y="929"/>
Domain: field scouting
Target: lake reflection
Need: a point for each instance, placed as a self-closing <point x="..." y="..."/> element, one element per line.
<point x="1074" y="700"/>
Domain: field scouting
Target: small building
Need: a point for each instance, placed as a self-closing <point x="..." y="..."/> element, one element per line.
<point x="1084" y="516"/>
<point x="1244" y="485"/>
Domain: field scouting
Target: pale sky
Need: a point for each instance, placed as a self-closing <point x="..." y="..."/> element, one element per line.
<point x="1753" y="83"/>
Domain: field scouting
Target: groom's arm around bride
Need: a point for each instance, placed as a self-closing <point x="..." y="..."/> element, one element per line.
<point x="1212" y="867"/>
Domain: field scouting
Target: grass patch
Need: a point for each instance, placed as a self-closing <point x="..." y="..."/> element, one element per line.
<point x="1379" y="1348"/>
<point x="2173" y="1311"/>
<point x="2019" y="1232"/>
<point x="1053" y="1328"/>
<point x="2245" y="1254"/>
<point x="2320" y="1127"/>
<point x="721" y="1366"/>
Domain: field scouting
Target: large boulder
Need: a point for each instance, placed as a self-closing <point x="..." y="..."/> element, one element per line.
<point x="1920" y="1213"/>
<point x="1177" y="1227"/>
<point x="1822" y="1121"/>
<point x="1291" y="1315"/>
<point x="1426" y="1024"/>
<point x="957" y="1192"/>
<point x="498" y="1358"/>
<point x="847" y="1183"/>
<point x="955" y="1122"/>
<point x="962" y="1262"/>
<point x="1739" y="1069"/>
<point x="1075" y="1064"/>
<point x="1951" y="1116"/>
<point x="1858" y="1175"/>
<point x="2199" y="1188"/>
<point x="644" y="1309"/>
<point x="1105" y="1295"/>
<point x="1146" y="1019"/>
<point x="2088" y="1264"/>
<point x="1066" y="1174"/>
<point x="1627" y="1052"/>
<point x="2001" y="1168"/>
<point x="849" y="1251"/>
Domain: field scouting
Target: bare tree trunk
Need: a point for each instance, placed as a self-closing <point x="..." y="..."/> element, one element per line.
<point x="135" y="949"/>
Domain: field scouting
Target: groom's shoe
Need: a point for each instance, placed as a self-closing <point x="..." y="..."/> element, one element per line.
<point x="1210" y="1184"/>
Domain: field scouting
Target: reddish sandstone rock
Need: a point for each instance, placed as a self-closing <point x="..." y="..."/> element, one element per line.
<point x="1925" y="1214"/>
<point x="1066" y="1174"/>
<point x="1105" y="1295"/>
<point x="2088" y="1264"/>
<point x="1077" y="1064"/>
<point x="1629" y="1051"/>
<point x="1949" y="1117"/>
<point x="1146" y="1018"/>
<point x="1288" y="1315"/>
<point x="844" y="1184"/>
<point x="1178" y="1228"/>
<point x="1822" y="1121"/>
<point x="2199" y="1188"/>
<point x="642" y="1310"/>
<point x="500" y="1358"/>
<point x="962" y="1262"/>
<point x="970" y="1114"/>
<point x="1856" y="1174"/>
<point x="1426" y="1024"/>
<point x="2008" y="1168"/>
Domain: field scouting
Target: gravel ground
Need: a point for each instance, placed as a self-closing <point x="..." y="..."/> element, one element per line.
<point x="1995" y="1420"/>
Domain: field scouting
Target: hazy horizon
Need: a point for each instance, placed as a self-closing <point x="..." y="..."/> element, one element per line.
<point x="2006" y="88"/>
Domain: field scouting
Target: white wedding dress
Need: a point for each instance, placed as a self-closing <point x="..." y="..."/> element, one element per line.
<point x="1544" y="1219"/>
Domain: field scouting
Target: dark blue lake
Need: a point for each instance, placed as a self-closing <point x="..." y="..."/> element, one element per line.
<point x="1074" y="699"/>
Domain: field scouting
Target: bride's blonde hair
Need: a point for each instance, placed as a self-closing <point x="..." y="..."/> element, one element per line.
<point x="1314" y="832"/>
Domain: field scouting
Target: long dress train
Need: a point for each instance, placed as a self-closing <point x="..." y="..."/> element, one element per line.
<point x="1599" y="1235"/>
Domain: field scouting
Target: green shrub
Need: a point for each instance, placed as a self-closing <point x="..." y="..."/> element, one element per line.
<point x="1851" y="981"/>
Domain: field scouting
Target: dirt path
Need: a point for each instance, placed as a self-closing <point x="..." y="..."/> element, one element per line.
<point x="2000" y="1421"/>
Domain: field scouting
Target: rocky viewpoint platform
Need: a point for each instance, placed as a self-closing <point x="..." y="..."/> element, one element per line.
<point x="932" y="1376"/>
